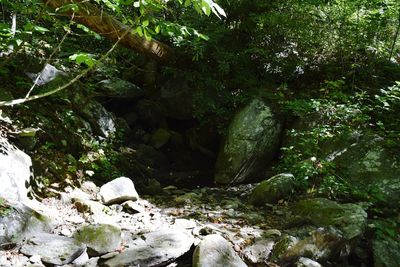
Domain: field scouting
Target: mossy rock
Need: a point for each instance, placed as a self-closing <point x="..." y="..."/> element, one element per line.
<point x="350" y="219"/>
<point x="270" y="191"/>
<point x="251" y="142"/>
<point x="100" y="239"/>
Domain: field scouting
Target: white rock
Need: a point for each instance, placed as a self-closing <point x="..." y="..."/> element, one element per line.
<point x="35" y="259"/>
<point x="215" y="251"/>
<point x="52" y="249"/>
<point x="259" y="251"/>
<point x="81" y="260"/>
<point x="118" y="191"/>
<point x="306" y="262"/>
<point x="153" y="249"/>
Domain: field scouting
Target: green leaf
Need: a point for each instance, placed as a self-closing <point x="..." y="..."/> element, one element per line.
<point x="157" y="29"/>
<point x="147" y="35"/>
<point x="83" y="58"/>
<point x="139" y="31"/>
<point x="145" y="23"/>
<point x="205" y="7"/>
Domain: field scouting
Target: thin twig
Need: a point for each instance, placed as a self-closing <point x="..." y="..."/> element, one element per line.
<point x="60" y="88"/>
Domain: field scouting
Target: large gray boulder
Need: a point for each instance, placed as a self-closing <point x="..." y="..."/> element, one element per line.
<point x="118" y="191"/>
<point x="349" y="218"/>
<point x="100" y="238"/>
<point x="153" y="249"/>
<point x="53" y="249"/>
<point x="216" y="251"/>
<point x="15" y="172"/>
<point x="251" y="142"/>
<point x="272" y="190"/>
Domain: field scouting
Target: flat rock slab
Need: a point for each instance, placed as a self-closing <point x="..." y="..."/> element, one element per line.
<point x="118" y="191"/>
<point x="53" y="249"/>
<point x="153" y="249"/>
<point x="216" y="251"/>
<point x="100" y="239"/>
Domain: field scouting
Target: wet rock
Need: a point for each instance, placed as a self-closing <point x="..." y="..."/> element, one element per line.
<point x="52" y="249"/>
<point x="348" y="218"/>
<point x="153" y="249"/>
<point x="117" y="88"/>
<point x="118" y="191"/>
<point x="15" y="172"/>
<point x="259" y="251"/>
<point x="99" y="239"/>
<point x="160" y="138"/>
<point x="386" y="252"/>
<point x="251" y="142"/>
<point x="272" y="190"/>
<point x="215" y="251"/>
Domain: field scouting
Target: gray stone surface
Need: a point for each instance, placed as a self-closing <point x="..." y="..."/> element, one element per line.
<point x="100" y="238"/>
<point x="15" y="172"/>
<point x="52" y="249"/>
<point x="118" y="191"/>
<point x="20" y="222"/>
<point x="251" y="142"/>
<point x="320" y="244"/>
<point x="215" y="251"/>
<point x="153" y="249"/>
<point x="259" y="251"/>
<point x="270" y="191"/>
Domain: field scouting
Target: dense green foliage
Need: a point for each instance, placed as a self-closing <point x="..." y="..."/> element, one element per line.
<point x="332" y="61"/>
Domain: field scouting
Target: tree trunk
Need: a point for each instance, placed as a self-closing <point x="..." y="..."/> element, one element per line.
<point x="106" y="25"/>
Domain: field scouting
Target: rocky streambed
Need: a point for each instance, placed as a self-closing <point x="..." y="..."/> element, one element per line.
<point x="114" y="226"/>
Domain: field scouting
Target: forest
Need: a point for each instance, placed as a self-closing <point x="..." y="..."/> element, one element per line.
<point x="204" y="133"/>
